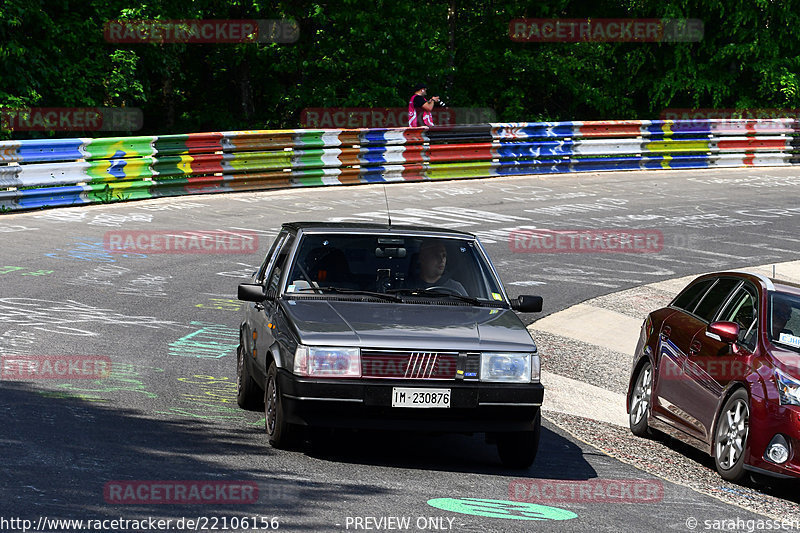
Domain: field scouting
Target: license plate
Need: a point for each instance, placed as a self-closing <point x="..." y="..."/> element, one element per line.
<point x="410" y="397"/>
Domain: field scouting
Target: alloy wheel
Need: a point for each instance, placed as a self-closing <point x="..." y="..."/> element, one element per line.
<point x="732" y="434"/>
<point x="640" y="402"/>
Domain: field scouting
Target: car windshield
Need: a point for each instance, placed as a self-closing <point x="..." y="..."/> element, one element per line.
<point x="402" y="266"/>
<point x="784" y="322"/>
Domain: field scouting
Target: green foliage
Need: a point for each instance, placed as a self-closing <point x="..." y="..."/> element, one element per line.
<point x="356" y="54"/>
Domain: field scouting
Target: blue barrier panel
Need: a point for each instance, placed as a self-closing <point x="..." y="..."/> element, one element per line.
<point x="52" y="196"/>
<point x="50" y="150"/>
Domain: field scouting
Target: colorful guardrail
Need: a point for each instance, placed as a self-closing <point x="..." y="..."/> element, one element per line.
<point x="59" y="172"/>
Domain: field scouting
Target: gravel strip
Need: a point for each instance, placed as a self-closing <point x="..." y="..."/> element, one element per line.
<point x="682" y="464"/>
<point x="636" y="302"/>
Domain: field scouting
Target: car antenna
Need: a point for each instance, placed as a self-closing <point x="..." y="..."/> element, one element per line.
<point x="388" y="213"/>
<point x="773" y="271"/>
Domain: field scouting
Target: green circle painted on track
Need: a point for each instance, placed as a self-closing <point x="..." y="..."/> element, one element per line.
<point x="501" y="509"/>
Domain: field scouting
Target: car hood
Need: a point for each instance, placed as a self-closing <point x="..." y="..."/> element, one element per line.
<point x="407" y="326"/>
<point x="787" y="360"/>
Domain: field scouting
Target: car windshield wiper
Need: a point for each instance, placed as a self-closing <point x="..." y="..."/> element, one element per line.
<point x="339" y="290"/>
<point x="438" y="293"/>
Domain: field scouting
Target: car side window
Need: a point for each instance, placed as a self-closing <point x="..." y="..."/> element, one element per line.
<point x="742" y="309"/>
<point x="279" y="265"/>
<point x="271" y="256"/>
<point x="687" y="300"/>
<point x="715" y="297"/>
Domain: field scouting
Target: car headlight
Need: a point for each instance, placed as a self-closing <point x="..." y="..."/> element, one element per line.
<point x="788" y="389"/>
<point x="328" y="362"/>
<point x="510" y="367"/>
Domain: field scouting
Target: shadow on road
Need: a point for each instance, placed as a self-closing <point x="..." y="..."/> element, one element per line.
<point x="557" y="458"/>
<point x="59" y="454"/>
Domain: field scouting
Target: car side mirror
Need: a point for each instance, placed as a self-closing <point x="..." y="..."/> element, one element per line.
<point x="727" y="332"/>
<point x="252" y="292"/>
<point x="527" y="304"/>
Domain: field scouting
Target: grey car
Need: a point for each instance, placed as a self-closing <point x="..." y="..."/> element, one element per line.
<point x="388" y="327"/>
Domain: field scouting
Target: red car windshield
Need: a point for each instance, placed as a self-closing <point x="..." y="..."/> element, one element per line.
<point x="784" y="320"/>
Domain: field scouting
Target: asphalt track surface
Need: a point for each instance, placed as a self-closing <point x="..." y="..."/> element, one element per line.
<point x="169" y="322"/>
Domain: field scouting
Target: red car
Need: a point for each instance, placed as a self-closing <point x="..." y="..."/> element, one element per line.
<point x="719" y="368"/>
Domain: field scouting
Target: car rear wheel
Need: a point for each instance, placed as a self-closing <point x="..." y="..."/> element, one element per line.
<point x="731" y="434"/>
<point x="248" y="393"/>
<point x="640" y="401"/>
<point x="518" y="449"/>
<point x="279" y="432"/>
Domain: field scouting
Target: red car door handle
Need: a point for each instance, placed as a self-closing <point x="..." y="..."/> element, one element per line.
<point x="665" y="332"/>
<point x="695" y="347"/>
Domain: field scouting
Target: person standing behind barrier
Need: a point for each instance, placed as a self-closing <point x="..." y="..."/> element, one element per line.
<point x="419" y="108"/>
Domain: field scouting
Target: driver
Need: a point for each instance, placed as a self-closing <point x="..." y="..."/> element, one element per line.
<point x="432" y="263"/>
<point x="781" y="312"/>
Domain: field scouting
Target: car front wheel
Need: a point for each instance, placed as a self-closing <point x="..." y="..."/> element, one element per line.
<point x="279" y="432"/>
<point x="518" y="449"/>
<point x="730" y="438"/>
<point x="640" y="401"/>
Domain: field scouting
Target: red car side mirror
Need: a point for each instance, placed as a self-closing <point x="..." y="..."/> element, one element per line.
<point x="726" y="331"/>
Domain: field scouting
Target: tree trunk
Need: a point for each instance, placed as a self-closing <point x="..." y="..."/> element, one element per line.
<point x="451" y="47"/>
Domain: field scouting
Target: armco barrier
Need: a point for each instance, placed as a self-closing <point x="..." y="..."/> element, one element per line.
<point x="61" y="172"/>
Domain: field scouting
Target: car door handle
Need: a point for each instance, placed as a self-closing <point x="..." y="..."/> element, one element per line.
<point x="666" y="331"/>
<point x="695" y="347"/>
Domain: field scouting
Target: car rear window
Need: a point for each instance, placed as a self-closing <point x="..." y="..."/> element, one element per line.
<point x="714" y="298"/>
<point x="687" y="300"/>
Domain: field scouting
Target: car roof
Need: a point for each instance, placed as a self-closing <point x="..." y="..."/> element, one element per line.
<point x="786" y="286"/>
<point x="369" y="227"/>
<point x="771" y="284"/>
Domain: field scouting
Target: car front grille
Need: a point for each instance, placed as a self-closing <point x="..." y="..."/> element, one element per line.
<point x="391" y="364"/>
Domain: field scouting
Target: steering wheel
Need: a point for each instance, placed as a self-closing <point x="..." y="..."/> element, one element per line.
<point x="449" y="290"/>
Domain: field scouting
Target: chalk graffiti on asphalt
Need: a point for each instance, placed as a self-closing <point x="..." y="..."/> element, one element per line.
<point x="209" y="341"/>
<point x="125" y="377"/>
<point x="91" y="251"/>
<point x="70" y="317"/>
<point x="148" y="285"/>
<point x="222" y="304"/>
<point x="208" y="398"/>
<point x="99" y="275"/>
<point x="16" y="270"/>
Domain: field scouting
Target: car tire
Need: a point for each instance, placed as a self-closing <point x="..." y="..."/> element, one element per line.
<point x="279" y="432"/>
<point x="730" y="436"/>
<point x="248" y="394"/>
<point x="641" y="397"/>
<point x="518" y="449"/>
